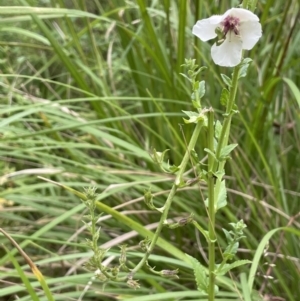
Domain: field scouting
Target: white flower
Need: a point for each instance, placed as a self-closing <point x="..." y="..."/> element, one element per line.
<point x="241" y="30"/>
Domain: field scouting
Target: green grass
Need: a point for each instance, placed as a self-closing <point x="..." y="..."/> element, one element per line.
<point x="87" y="89"/>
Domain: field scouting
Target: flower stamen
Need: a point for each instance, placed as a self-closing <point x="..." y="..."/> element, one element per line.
<point x="230" y="24"/>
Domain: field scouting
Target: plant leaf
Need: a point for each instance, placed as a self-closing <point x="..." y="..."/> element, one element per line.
<point x="185" y="76"/>
<point x="227" y="150"/>
<point x="228" y="235"/>
<point x="227" y="80"/>
<point x="201" y="89"/>
<point x="222" y="197"/>
<point x="231" y="250"/>
<point x="224" y="97"/>
<point x="218" y="129"/>
<point x="244" y="67"/>
<point x="227" y="267"/>
<point x="200" y="275"/>
<point x="210" y="152"/>
<point x="191" y="113"/>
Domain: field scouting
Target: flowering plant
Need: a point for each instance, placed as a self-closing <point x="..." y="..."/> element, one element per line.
<point x="240" y="29"/>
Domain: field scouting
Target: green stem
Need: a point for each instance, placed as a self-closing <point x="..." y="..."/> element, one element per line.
<point x="245" y="4"/>
<point x="214" y="165"/>
<point x="171" y="195"/>
<point x="187" y="154"/>
<point x="96" y="249"/>
<point x="228" y="114"/>
<point x="253" y="5"/>
<point x="211" y="207"/>
<point x="224" y="136"/>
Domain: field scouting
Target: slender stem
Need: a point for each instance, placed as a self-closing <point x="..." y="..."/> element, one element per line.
<point x="252" y="5"/>
<point x="245" y="4"/>
<point x="211" y="207"/>
<point x="158" y="229"/>
<point x="224" y="136"/>
<point x="171" y="195"/>
<point x="214" y="165"/>
<point x="228" y="114"/>
<point x="187" y="154"/>
<point x="93" y="232"/>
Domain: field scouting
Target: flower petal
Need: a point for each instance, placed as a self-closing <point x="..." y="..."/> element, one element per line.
<point x="205" y="29"/>
<point x="243" y="14"/>
<point x="250" y="33"/>
<point x="229" y="53"/>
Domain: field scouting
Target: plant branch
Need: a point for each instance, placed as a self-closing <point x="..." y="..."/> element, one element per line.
<point x="171" y="195"/>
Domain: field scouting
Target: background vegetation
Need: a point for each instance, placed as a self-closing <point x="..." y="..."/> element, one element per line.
<point x="87" y="89"/>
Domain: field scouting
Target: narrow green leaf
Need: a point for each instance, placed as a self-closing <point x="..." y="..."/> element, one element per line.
<point x="245" y="288"/>
<point x="210" y="152"/>
<point x="25" y="33"/>
<point x="227" y="267"/>
<point x="191" y="113"/>
<point x="60" y="53"/>
<point x="294" y="89"/>
<point x="260" y="250"/>
<point x="153" y="39"/>
<point x="227" y="150"/>
<point x="185" y="76"/>
<point x="181" y="40"/>
<point x="23" y="276"/>
<point x="226" y="80"/>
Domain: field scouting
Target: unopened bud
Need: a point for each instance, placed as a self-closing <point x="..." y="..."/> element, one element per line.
<point x="115" y="271"/>
<point x="133" y="284"/>
<point x="186" y="220"/>
<point x="170" y="273"/>
<point x="122" y="258"/>
<point x="158" y="157"/>
<point x="144" y="244"/>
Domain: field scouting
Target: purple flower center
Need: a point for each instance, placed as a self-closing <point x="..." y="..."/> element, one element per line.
<point x="230" y="23"/>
